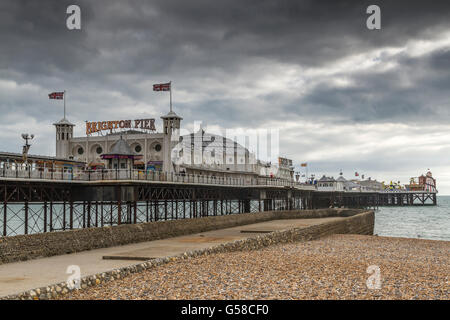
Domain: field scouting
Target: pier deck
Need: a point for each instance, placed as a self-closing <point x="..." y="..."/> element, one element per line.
<point x="34" y="205"/>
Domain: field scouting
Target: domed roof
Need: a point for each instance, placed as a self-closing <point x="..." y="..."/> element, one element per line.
<point x="121" y="149"/>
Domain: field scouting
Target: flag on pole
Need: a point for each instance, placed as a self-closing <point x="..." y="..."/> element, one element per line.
<point x="56" y="95"/>
<point x="162" y="87"/>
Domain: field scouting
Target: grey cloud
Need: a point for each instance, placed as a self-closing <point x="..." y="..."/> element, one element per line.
<point x="208" y="48"/>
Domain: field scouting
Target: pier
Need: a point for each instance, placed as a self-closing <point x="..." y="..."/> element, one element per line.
<point x="374" y="199"/>
<point x="34" y="201"/>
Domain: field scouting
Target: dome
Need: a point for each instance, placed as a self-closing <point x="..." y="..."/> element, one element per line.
<point x="121" y="149"/>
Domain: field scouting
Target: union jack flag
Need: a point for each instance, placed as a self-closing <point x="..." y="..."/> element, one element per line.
<point x="161" y="87"/>
<point x="56" y="95"/>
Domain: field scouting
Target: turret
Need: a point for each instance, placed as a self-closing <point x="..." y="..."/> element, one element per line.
<point x="171" y="123"/>
<point x="64" y="132"/>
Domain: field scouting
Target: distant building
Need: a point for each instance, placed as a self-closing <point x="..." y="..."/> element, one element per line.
<point x="352" y="185"/>
<point x="326" y="184"/>
<point x="426" y="183"/>
<point x="371" y="185"/>
<point x="341" y="183"/>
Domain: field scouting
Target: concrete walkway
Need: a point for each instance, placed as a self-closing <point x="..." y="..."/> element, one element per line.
<point x="21" y="276"/>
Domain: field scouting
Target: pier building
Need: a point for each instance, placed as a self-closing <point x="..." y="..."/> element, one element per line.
<point x="198" y="153"/>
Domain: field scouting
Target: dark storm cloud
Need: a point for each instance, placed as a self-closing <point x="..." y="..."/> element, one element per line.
<point x="152" y="36"/>
<point x="379" y="97"/>
<point x="233" y="63"/>
<point x="34" y="38"/>
<point x="122" y="44"/>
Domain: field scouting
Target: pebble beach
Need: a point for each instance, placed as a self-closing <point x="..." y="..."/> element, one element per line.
<point x="334" y="267"/>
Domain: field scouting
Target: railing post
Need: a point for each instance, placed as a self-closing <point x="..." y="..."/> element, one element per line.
<point x="26" y="218"/>
<point x="51" y="216"/>
<point x="71" y="215"/>
<point x="45" y="216"/>
<point x="64" y="216"/>
<point x="5" y="211"/>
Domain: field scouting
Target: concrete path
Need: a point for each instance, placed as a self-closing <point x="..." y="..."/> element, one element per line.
<point x="21" y="276"/>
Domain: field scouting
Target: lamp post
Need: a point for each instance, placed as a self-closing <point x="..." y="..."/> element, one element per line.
<point x="26" y="146"/>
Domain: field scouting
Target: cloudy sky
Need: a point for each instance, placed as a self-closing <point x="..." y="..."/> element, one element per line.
<point x="342" y="96"/>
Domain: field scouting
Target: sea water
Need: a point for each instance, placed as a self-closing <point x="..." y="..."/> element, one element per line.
<point x="424" y="222"/>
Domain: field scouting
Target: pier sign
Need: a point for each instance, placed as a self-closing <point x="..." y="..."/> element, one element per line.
<point x="146" y="124"/>
<point x="284" y="162"/>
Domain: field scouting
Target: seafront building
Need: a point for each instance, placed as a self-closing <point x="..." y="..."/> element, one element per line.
<point x="326" y="184"/>
<point x="341" y="184"/>
<point x="371" y="185"/>
<point x="129" y="145"/>
<point x="136" y="145"/>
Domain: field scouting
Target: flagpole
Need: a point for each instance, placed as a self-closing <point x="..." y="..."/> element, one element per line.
<point x="64" y="104"/>
<point x="170" y="96"/>
<point x="307" y="172"/>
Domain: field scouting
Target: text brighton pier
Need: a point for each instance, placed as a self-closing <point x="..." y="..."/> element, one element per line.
<point x="147" y="124"/>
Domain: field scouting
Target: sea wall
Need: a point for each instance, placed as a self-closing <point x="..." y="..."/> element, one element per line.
<point x="26" y="247"/>
<point x="356" y="222"/>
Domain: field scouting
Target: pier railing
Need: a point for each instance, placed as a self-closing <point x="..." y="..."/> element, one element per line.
<point x="142" y="175"/>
